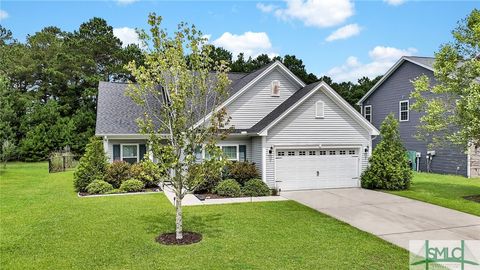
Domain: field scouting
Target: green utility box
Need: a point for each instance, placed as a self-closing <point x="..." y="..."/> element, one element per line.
<point x="412" y="157"/>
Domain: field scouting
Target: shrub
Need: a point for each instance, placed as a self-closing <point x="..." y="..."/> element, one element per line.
<point x="116" y="173"/>
<point x="203" y="178"/>
<point x="242" y="171"/>
<point x="228" y="188"/>
<point x="389" y="168"/>
<point x="147" y="172"/>
<point x="254" y="188"/>
<point x="92" y="165"/>
<point x="99" y="187"/>
<point x="132" y="185"/>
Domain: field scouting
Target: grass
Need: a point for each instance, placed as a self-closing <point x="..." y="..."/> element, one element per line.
<point x="44" y="225"/>
<point x="444" y="190"/>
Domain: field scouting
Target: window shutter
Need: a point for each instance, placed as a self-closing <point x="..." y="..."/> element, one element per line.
<point x="242" y="149"/>
<point x="116" y="152"/>
<point x="142" y="151"/>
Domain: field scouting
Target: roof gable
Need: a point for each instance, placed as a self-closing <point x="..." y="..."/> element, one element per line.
<point x="425" y="62"/>
<point x="299" y="97"/>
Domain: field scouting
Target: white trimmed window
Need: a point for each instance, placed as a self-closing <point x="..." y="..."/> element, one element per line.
<point x="319" y="109"/>
<point x="312" y="153"/>
<point x="302" y="153"/>
<point x="368" y="113"/>
<point x="351" y="152"/>
<point x="275" y="88"/>
<point x="322" y="152"/>
<point x="343" y="152"/>
<point x="404" y="110"/>
<point x="291" y="153"/>
<point x="332" y="152"/>
<point x="230" y="151"/>
<point x="280" y="153"/>
<point x="129" y="153"/>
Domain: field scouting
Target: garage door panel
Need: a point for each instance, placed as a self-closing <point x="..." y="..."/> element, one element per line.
<point x="316" y="172"/>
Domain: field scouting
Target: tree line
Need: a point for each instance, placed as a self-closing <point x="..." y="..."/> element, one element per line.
<point x="48" y="83"/>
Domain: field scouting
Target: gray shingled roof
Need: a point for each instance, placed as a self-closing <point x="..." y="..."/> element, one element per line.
<point x="117" y="113"/>
<point x="282" y="107"/>
<point x="426" y="61"/>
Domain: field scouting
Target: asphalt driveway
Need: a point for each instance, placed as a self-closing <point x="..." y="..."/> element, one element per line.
<point x="393" y="218"/>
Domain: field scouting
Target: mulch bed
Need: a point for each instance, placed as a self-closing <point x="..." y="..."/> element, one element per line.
<point x="473" y="198"/>
<point x="154" y="189"/>
<point x="170" y="238"/>
<point x="204" y="196"/>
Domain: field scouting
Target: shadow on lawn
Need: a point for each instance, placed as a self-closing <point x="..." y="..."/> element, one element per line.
<point x="206" y="224"/>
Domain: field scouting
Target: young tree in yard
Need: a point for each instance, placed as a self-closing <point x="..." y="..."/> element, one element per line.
<point x="175" y="92"/>
<point x="452" y="105"/>
<point x="389" y="168"/>
<point x="8" y="149"/>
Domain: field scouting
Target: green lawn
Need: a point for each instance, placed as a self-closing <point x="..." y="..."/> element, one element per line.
<point x="444" y="190"/>
<point x="45" y="225"/>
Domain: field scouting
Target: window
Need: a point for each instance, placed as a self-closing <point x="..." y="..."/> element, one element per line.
<point x="319" y="109"/>
<point x="242" y="153"/>
<point x="302" y="153"/>
<point x="280" y="153"/>
<point x="351" y="152"/>
<point x="368" y="113"/>
<point x="343" y="152"/>
<point x="291" y="153"/>
<point x="322" y="152"/>
<point x="275" y="88"/>
<point x="312" y="153"/>
<point x="332" y="152"/>
<point x="403" y="110"/>
<point x="230" y="152"/>
<point x="130" y="153"/>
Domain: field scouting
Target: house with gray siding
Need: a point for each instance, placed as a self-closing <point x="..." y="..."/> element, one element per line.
<point x="299" y="136"/>
<point x="392" y="95"/>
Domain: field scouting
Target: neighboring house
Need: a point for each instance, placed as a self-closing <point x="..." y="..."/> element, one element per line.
<point x="392" y="95"/>
<point x="299" y="136"/>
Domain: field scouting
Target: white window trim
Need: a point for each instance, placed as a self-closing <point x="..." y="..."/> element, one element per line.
<point x="400" y="110"/>
<point x="365" y="113"/>
<point x="272" y="88"/>
<point x="237" y="146"/>
<point x="127" y="144"/>
<point x="317" y="115"/>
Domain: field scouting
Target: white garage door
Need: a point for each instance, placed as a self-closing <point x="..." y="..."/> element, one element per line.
<point x="297" y="169"/>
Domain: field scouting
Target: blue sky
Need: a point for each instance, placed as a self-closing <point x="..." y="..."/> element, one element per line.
<point x="340" y="38"/>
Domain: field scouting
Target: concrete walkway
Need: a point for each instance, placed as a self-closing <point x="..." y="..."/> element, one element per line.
<point x="191" y="199"/>
<point x="393" y="218"/>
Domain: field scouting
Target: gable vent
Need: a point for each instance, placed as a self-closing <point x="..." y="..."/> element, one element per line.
<point x="275" y="88"/>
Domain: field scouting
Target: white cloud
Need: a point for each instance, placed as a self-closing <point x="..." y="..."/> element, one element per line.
<point x="394" y="2"/>
<point x="316" y="13"/>
<point x="266" y="8"/>
<point x="126" y="2"/>
<point x="250" y="43"/>
<point x="382" y="58"/>
<point x="127" y="36"/>
<point x="344" y="32"/>
<point x="3" y="14"/>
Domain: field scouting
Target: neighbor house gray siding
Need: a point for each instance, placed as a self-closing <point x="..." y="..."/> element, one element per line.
<point x="385" y="99"/>
<point x="301" y="127"/>
<point x="257" y="101"/>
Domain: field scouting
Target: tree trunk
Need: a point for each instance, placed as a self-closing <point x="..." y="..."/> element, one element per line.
<point x="179" y="218"/>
